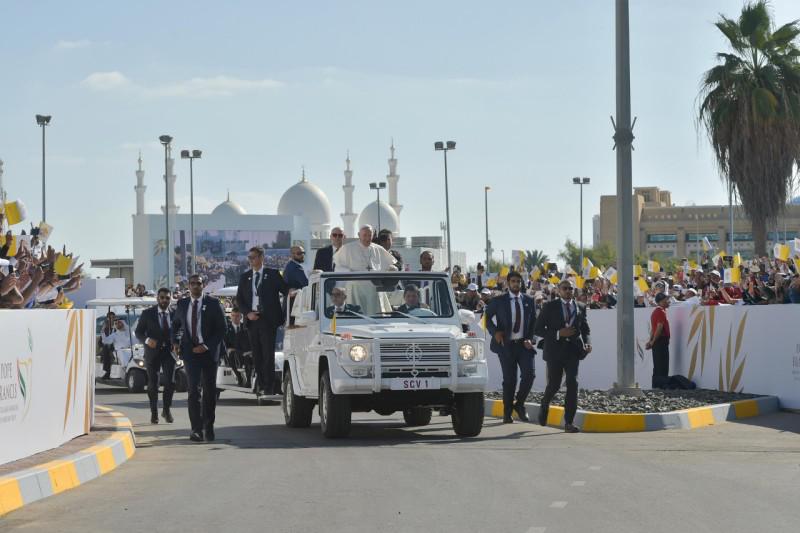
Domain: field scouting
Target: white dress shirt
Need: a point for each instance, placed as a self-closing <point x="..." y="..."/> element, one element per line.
<point x="568" y="322"/>
<point x="254" y="288"/>
<point x="512" y="297"/>
<point x="188" y="329"/>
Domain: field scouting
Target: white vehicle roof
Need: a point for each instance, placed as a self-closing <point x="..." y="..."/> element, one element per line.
<point x="226" y="292"/>
<point x="122" y="302"/>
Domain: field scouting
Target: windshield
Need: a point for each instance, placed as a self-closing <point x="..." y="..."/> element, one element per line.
<point x="380" y="298"/>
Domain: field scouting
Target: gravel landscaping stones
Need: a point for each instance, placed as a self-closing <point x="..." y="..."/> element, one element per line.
<point x="653" y="401"/>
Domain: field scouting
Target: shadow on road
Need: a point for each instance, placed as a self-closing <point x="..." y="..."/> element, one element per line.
<point x="783" y="421"/>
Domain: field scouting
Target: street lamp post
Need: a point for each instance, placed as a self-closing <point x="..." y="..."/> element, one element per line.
<point x="43" y="121"/>
<point x="191" y="156"/>
<point x="581" y="182"/>
<point x="486" y="190"/>
<point x="166" y="140"/>
<point x="445" y="147"/>
<point x="377" y="187"/>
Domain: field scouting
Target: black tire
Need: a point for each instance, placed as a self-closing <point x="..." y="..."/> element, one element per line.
<point x="418" y="416"/>
<point x="384" y="412"/>
<point x="335" y="411"/>
<point x="136" y="380"/>
<point x="219" y="392"/>
<point x="181" y="383"/>
<point x="276" y="388"/>
<point x="297" y="411"/>
<point x="467" y="414"/>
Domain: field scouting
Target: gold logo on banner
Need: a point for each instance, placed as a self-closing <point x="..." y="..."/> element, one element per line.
<point x="701" y="335"/>
<point x="73" y="354"/>
<point x="728" y="382"/>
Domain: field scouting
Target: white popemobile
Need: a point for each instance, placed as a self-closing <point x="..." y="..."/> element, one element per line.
<point x="381" y="341"/>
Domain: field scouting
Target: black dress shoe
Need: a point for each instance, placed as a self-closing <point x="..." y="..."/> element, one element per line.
<point x="569" y="428"/>
<point x="154" y="418"/>
<point x="106" y="376"/>
<point x="522" y="412"/>
<point x="507" y="419"/>
<point x="210" y="435"/>
<point x="543" y="415"/>
<point x="167" y="416"/>
<point x="196" y="436"/>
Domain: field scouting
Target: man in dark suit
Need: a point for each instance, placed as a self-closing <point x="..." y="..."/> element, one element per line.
<point x="324" y="259"/>
<point x="340" y="305"/>
<point x="236" y="344"/>
<point x="200" y="321"/>
<point x="563" y="325"/>
<point x="512" y="340"/>
<point x="154" y="331"/>
<point x="258" y="297"/>
<point x="294" y="275"/>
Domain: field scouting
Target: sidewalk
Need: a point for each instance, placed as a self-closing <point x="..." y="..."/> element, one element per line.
<point x="110" y="443"/>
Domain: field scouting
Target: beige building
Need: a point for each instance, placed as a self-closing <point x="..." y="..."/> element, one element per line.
<point x="664" y="229"/>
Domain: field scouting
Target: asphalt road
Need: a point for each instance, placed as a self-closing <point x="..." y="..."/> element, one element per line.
<point x="261" y="476"/>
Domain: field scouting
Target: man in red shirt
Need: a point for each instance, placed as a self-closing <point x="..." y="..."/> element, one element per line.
<point x="659" y="342"/>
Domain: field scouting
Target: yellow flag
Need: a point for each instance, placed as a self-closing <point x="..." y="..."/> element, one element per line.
<point x="15" y="212"/>
<point x="504" y="271"/>
<point x="62" y="265"/>
<point x="736" y="274"/>
<point x="781" y="251"/>
<point x="66" y="303"/>
<point x="554" y="280"/>
<point x="692" y="264"/>
<point x="333" y="323"/>
<point x="536" y="274"/>
<point x="637" y="270"/>
<point x="12" y="247"/>
<point x="613" y="278"/>
<point x="797" y="263"/>
<point x="491" y="283"/>
<point x="587" y="262"/>
<point x="642" y="284"/>
<point x="483" y="321"/>
<point x="579" y="282"/>
<point x="653" y="266"/>
<point x="594" y="273"/>
<point x="737" y="260"/>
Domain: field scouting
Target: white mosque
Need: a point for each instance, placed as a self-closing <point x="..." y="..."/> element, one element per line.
<point x="223" y="236"/>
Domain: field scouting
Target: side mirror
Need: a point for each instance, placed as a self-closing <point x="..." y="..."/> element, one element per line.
<point x="306" y="318"/>
<point x="466" y="316"/>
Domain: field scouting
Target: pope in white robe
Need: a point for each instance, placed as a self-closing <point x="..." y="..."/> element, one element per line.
<point x="361" y="256"/>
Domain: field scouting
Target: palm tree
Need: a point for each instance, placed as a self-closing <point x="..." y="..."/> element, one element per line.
<point x="534" y="258"/>
<point x="749" y="105"/>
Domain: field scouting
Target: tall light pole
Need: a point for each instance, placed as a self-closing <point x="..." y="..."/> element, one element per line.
<point x="191" y="156"/>
<point x="378" y="186"/>
<point x="446" y="147"/>
<point x="730" y="212"/>
<point x="623" y="138"/>
<point x="486" y="190"/>
<point x="166" y="140"/>
<point x="43" y="121"/>
<point x="581" y="182"/>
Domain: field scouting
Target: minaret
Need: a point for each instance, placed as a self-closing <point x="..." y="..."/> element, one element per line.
<point x="348" y="217"/>
<point x="173" y="209"/>
<point x="140" y="188"/>
<point x="393" y="178"/>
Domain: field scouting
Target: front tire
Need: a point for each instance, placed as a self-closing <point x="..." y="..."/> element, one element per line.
<point x="297" y="411"/>
<point x="417" y="416"/>
<point x="468" y="414"/>
<point x="335" y="411"/>
<point x="136" y="380"/>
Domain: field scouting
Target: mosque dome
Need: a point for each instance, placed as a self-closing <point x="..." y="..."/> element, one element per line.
<point x="229" y="207"/>
<point x="306" y="200"/>
<point x="388" y="218"/>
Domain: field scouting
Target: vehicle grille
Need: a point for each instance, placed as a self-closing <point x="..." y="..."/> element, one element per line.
<point x="398" y="353"/>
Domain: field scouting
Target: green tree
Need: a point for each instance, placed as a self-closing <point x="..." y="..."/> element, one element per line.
<point x="534" y="258"/>
<point x="749" y="105"/>
<point x="601" y="255"/>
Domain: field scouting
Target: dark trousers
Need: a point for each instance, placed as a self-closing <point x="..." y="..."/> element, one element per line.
<point x="555" y="372"/>
<point x="515" y="355"/>
<point x="105" y="355"/>
<point x="163" y="362"/>
<point x="661" y="363"/>
<point x="201" y="374"/>
<point x="262" y="342"/>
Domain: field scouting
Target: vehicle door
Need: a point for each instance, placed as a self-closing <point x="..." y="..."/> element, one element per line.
<point x="311" y="337"/>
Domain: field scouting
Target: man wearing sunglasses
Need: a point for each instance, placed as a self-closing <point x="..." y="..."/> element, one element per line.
<point x="293" y="274"/>
<point x="562" y="323"/>
<point x="324" y="259"/>
<point x="154" y="331"/>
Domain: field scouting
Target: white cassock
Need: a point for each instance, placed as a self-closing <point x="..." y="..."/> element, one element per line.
<point x="355" y="257"/>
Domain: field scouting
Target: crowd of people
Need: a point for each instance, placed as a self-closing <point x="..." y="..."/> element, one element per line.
<point x="32" y="273"/>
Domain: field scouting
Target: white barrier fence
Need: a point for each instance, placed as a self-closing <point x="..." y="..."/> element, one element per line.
<point x="754" y="349"/>
<point x="46" y="379"/>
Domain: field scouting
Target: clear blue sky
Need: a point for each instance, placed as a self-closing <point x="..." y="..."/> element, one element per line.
<point x="525" y="88"/>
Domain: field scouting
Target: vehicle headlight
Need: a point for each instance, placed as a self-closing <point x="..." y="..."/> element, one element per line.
<point x="466" y="352"/>
<point x="358" y="353"/>
<point x="140" y="362"/>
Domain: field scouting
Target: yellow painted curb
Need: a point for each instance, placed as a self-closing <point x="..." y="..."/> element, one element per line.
<point x="613" y="422"/>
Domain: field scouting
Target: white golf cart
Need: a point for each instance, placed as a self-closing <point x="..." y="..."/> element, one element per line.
<point x="127" y="365"/>
<point x="383" y="342"/>
<point x="226" y="377"/>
